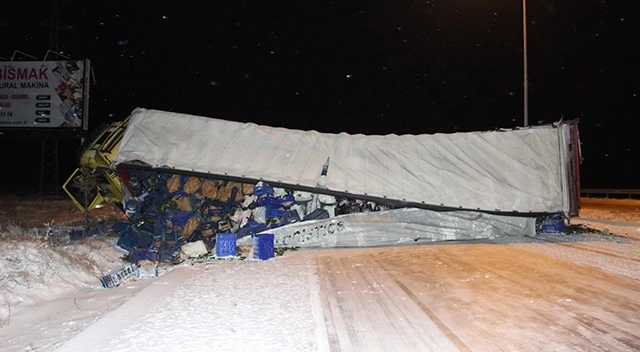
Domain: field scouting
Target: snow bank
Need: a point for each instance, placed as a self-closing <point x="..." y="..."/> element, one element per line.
<point x="36" y="266"/>
<point x="223" y="305"/>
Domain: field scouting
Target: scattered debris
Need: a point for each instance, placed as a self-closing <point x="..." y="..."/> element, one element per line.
<point x="225" y="245"/>
<point x="147" y="269"/>
<point x="75" y="235"/>
<point x="116" y="277"/>
<point x="263" y="246"/>
<point x="550" y="224"/>
<point x="581" y="228"/>
<point x="194" y="249"/>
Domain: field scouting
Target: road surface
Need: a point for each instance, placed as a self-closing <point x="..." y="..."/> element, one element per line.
<point x="484" y="297"/>
<point x="547" y="293"/>
<point x="540" y="296"/>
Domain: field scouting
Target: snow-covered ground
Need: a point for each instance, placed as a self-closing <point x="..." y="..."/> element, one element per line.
<point x="561" y="292"/>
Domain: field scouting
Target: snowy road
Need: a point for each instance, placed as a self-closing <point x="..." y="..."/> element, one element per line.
<point x="484" y="297"/>
<point x="467" y="297"/>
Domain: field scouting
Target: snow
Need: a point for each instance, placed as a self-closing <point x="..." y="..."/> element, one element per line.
<point x="225" y="303"/>
<point x="51" y="292"/>
<point x="574" y="292"/>
<point x="44" y="267"/>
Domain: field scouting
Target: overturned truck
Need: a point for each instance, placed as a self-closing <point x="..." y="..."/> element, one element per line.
<point x="182" y="178"/>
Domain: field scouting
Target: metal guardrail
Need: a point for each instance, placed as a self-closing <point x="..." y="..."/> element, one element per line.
<point x="629" y="193"/>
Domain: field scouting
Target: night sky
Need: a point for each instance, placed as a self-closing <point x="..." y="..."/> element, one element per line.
<point x="372" y="67"/>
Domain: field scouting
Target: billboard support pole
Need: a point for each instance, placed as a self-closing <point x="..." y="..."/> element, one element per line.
<point x="54" y="25"/>
<point x="53" y="52"/>
<point x="49" y="167"/>
<point x="13" y="57"/>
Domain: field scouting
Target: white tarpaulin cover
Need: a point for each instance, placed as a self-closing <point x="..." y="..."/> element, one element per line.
<point x="519" y="170"/>
<point x="399" y="226"/>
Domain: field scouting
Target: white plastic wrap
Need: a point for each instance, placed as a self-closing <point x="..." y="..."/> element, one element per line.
<point x="400" y="226"/>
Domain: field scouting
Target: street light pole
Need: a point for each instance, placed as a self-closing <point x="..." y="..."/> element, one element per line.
<point x="524" y="53"/>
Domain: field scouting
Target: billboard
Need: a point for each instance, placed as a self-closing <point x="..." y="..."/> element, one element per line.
<point x="44" y="94"/>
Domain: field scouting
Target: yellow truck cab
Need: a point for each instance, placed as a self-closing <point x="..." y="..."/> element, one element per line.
<point x="94" y="182"/>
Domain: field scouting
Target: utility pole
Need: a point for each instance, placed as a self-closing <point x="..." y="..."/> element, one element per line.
<point x="524" y="53"/>
<point x="49" y="148"/>
<point x="54" y="25"/>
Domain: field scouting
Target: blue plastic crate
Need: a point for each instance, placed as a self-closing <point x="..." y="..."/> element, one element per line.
<point x="263" y="246"/>
<point x="250" y="229"/>
<point x="75" y="235"/>
<point x="109" y="281"/>
<point x="136" y="255"/>
<point x="172" y="236"/>
<point x="134" y="238"/>
<point x="179" y="217"/>
<point x="262" y="189"/>
<point x="276" y="202"/>
<point x="290" y="217"/>
<point x="115" y="277"/>
<point x="272" y="212"/>
<point x="553" y="225"/>
<point x="224" y="225"/>
<point x="168" y="256"/>
<point x="148" y="271"/>
<point x="127" y="239"/>
<point x="225" y="244"/>
<point x="245" y="231"/>
<point x="317" y="215"/>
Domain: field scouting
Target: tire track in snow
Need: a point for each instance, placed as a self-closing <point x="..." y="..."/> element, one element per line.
<point x="585" y="246"/>
<point x="450" y="334"/>
<point x="334" y="315"/>
<point x="366" y="311"/>
<point x="585" y="284"/>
